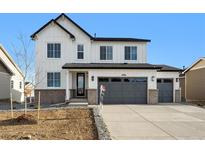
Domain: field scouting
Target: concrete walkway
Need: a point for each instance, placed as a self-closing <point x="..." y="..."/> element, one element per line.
<point x="170" y="121"/>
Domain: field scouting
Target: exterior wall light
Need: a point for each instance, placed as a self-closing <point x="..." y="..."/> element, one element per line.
<point x="92" y="78"/>
<point x="152" y="78"/>
<point x="177" y="79"/>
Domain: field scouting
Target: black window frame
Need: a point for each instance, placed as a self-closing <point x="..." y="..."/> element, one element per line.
<point x="53" y="50"/>
<point x="128" y="52"/>
<point x="80" y="51"/>
<point x="116" y="80"/>
<point x="103" y="79"/>
<point x="104" y="53"/>
<point x="20" y="85"/>
<point x="12" y="84"/>
<point x="53" y="79"/>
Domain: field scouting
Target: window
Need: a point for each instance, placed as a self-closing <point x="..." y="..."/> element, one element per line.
<point x="53" y="50"/>
<point x="53" y="79"/>
<point x="103" y="79"/>
<point x="20" y="85"/>
<point x="80" y="51"/>
<point x="130" y="53"/>
<point x="12" y="84"/>
<point x="167" y="80"/>
<point x="115" y="80"/>
<point x="105" y="52"/>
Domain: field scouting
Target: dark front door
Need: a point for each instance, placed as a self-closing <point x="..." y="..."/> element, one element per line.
<point x="80" y="84"/>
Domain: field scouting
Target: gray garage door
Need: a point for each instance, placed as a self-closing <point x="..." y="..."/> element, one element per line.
<point x="165" y="87"/>
<point x="124" y="90"/>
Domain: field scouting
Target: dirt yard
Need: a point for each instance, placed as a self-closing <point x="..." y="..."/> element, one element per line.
<point x="62" y="124"/>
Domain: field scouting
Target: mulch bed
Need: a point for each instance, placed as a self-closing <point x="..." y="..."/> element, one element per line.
<point x="69" y="124"/>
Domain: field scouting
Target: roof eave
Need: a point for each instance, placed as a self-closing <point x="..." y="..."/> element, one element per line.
<point x="184" y="72"/>
<point x="170" y="70"/>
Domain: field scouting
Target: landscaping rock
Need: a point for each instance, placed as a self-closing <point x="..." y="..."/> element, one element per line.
<point x="103" y="133"/>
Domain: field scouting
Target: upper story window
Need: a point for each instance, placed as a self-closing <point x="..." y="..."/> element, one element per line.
<point x="12" y="84"/>
<point x="53" y="50"/>
<point x="20" y="85"/>
<point x="105" y="52"/>
<point x="80" y="51"/>
<point x="130" y="53"/>
<point x="53" y="79"/>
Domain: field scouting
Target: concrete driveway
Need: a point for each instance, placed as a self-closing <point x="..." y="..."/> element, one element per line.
<point x="167" y="121"/>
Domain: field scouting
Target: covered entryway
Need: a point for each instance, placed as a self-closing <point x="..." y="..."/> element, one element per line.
<point x="165" y="87"/>
<point x="124" y="90"/>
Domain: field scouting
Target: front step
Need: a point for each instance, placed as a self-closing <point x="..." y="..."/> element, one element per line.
<point x="78" y="102"/>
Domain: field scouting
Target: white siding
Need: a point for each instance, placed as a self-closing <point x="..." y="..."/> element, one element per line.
<point x="17" y="93"/>
<point x="115" y="73"/>
<point x="54" y="34"/>
<point x="118" y="52"/>
<point x="80" y="38"/>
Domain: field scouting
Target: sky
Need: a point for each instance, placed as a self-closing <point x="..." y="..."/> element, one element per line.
<point x="176" y="39"/>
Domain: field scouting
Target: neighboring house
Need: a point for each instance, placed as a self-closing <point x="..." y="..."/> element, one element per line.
<point x="71" y="65"/>
<point x="182" y="86"/>
<point x="11" y="78"/>
<point x="195" y="82"/>
<point x="29" y="89"/>
<point x="29" y="92"/>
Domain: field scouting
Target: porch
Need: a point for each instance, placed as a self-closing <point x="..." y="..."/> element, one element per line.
<point x="77" y="86"/>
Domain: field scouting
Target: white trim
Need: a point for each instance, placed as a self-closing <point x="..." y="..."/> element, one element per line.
<point x="10" y="59"/>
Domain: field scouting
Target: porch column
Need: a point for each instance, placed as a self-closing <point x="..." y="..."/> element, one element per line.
<point x="67" y="85"/>
<point x="92" y="88"/>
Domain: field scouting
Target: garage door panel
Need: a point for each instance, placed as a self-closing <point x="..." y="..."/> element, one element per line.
<point x="125" y="91"/>
<point x="165" y="88"/>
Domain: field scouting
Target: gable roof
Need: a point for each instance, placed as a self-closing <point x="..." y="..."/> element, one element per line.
<point x="91" y="37"/>
<point x="202" y="58"/>
<point x="63" y="14"/>
<point x="48" y="23"/>
<point x="10" y="59"/>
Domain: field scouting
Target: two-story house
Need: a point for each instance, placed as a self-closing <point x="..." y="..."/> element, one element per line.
<point x="71" y="64"/>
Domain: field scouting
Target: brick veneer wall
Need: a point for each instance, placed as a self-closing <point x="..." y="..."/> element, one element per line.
<point x="92" y="96"/>
<point x="153" y="96"/>
<point x="177" y="96"/>
<point x="50" y="96"/>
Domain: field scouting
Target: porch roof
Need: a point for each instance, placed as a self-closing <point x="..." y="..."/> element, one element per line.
<point x="109" y="66"/>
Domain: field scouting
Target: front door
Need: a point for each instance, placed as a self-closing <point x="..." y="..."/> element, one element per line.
<point x="80" y="84"/>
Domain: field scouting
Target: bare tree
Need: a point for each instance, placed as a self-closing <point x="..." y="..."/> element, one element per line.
<point x="24" y="55"/>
